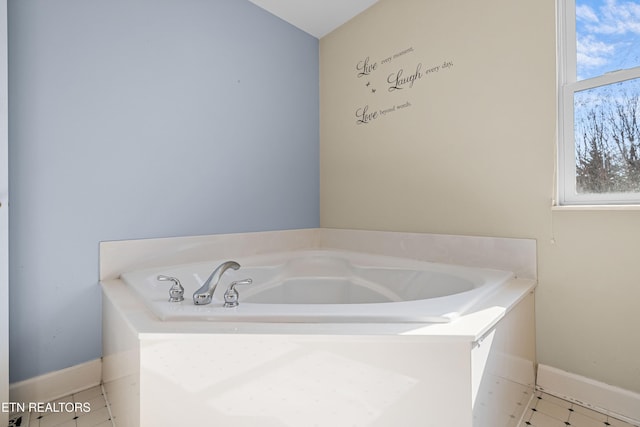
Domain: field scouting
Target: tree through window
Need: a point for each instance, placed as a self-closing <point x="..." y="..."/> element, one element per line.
<point x="600" y="101"/>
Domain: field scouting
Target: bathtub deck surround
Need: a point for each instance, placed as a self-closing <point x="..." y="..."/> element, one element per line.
<point x="286" y="373"/>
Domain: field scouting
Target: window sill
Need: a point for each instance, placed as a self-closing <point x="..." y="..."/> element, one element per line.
<point x="595" y="208"/>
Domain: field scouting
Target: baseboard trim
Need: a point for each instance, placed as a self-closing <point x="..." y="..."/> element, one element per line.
<point x="614" y="401"/>
<point x="54" y="385"/>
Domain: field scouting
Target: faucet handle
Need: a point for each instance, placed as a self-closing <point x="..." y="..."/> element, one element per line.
<point x="231" y="295"/>
<point x="176" y="292"/>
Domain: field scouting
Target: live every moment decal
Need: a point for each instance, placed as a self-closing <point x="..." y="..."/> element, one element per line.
<point x="386" y="76"/>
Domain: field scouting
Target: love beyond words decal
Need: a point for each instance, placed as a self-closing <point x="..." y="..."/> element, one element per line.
<point x="398" y="81"/>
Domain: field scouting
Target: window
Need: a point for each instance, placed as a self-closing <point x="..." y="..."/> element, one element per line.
<point x="599" y="102"/>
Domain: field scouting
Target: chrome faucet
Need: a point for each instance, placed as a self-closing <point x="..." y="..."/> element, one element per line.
<point x="231" y="296"/>
<point x="176" y="292"/>
<point x="203" y="295"/>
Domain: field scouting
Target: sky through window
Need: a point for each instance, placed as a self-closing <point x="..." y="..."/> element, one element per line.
<point x="608" y="36"/>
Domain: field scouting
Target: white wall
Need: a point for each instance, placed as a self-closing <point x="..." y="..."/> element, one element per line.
<point x="4" y="218"/>
<point x="144" y="118"/>
<point x="474" y="154"/>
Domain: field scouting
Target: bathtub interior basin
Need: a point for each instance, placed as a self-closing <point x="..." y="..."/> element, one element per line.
<point x="323" y="286"/>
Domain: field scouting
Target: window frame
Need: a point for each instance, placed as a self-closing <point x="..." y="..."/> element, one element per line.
<point x="568" y="85"/>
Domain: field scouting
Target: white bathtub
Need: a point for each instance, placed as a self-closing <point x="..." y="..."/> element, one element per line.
<point x="324" y="286"/>
<point x="323" y="336"/>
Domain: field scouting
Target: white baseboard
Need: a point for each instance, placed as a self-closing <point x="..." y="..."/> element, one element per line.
<point x="614" y="401"/>
<point x="54" y="385"/>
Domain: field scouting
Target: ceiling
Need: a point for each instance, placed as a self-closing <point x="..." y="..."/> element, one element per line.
<point x="316" y="17"/>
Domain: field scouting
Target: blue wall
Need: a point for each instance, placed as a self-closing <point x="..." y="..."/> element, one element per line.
<point x="144" y="118"/>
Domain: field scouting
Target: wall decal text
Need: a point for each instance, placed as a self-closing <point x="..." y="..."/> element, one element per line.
<point x="403" y="78"/>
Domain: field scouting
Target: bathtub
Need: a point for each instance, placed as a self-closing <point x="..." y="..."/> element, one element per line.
<point x="323" y="286"/>
<point x="338" y="328"/>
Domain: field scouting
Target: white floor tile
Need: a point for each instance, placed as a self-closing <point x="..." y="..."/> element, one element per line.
<point x="93" y="418"/>
<point x="581" y="420"/>
<point x="96" y="416"/>
<point x="549" y="411"/>
<point x="540" y="419"/>
<point x="544" y="411"/>
<point x="618" y="423"/>
<point x="557" y="401"/>
<point x="89" y="394"/>
<point x="56" y="419"/>
<point x="590" y="413"/>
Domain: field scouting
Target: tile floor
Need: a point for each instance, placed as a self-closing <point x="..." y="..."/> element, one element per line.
<point x="546" y="410"/>
<point x="93" y="412"/>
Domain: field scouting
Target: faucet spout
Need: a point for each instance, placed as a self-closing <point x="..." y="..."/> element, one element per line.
<point x="203" y="295"/>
